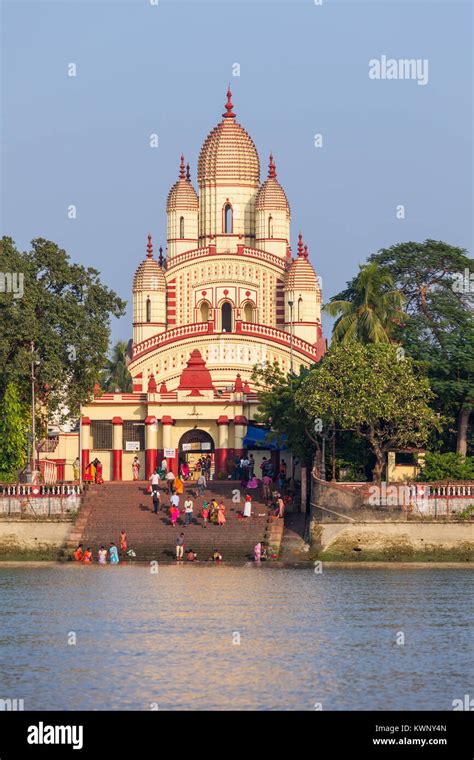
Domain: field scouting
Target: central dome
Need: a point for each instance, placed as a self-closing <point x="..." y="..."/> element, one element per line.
<point x="228" y="153"/>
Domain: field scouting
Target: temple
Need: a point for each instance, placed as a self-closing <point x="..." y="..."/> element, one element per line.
<point x="228" y="295"/>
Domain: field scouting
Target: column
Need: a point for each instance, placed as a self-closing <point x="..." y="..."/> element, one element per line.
<point x="86" y="443"/>
<point x="117" y="446"/>
<point x="151" y="445"/>
<point x="222" y="450"/>
<point x="167" y="423"/>
<point x="240" y="431"/>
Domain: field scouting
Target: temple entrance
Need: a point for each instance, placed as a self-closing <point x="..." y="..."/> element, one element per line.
<point x="194" y="445"/>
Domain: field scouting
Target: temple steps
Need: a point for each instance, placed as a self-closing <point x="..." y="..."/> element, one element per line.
<point x="111" y="507"/>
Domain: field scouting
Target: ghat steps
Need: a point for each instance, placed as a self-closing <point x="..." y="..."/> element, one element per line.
<point x="111" y="507"/>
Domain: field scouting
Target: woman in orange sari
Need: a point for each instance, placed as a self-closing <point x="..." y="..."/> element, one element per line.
<point x="221" y="514"/>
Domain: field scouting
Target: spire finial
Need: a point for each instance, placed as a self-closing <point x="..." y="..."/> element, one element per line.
<point x="182" y="170"/>
<point x="272" y="168"/>
<point x="229" y="106"/>
<point x="300" y="244"/>
<point x="305" y="254"/>
<point x="160" y="258"/>
<point x="188" y="173"/>
<point x="149" y="248"/>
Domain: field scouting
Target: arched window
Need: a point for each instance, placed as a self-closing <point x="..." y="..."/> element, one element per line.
<point x="148" y="310"/>
<point x="181" y="226"/>
<point x="228" y="219"/>
<point x="270" y="227"/>
<point x="248" y="312"/>
<point x="204" y="311"/>
<point x="226" y="317"/>
<point x="300" y="310"/>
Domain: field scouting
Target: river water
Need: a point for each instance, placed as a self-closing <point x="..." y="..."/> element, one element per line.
<point x="222" y="637"/>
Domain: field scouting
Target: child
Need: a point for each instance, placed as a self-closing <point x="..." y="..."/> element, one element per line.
<point x="102" y="556"/>
<point x="205" y="514"/>
<point x="123" y="542"/>
<point x="113" y="554"/>
<point x="87" y="556"/>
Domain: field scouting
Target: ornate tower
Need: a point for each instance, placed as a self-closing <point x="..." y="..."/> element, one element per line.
<point x="149" y="298"/>
<point x="228" y="178"/>
<point x="182" y="215"/>
<point x="272" y="215"/>
<point x="302" y="297"/>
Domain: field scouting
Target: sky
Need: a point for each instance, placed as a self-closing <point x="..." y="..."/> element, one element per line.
<point x="162" y="67"/>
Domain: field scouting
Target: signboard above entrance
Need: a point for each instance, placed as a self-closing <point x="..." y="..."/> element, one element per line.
<point x="197" y="446"/>
<point x="169" y="453"/>
<point x="132" y="445"/>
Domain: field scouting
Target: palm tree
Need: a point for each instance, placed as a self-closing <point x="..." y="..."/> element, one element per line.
<point x="116" y="377"/>
<point x="372" y="310"/>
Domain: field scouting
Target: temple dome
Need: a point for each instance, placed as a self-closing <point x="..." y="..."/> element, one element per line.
<point x="271" y="196"/>
<point x="300" y="275"/>
<point x="182" y="196"/>
<point x="149" y="275"/>
<point x="228" y="153"/>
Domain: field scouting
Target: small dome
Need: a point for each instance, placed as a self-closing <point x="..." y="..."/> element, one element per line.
<point x="182" y="196"/>
<point x="149" y="275"/>
<point x="271" y="196"/>
<point x="228" y="153"/>
<point x="300" y="275"/>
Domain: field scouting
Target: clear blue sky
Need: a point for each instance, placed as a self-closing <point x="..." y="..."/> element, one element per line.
<point x="304" y="70"/>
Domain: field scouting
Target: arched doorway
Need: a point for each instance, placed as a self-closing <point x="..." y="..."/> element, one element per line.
<point x="226" y="317"/>
<point x="193" y="445"/>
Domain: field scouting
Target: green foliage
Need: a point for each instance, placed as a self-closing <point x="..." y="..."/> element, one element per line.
<point x="116" y="377"/>
<point x="449" y="466"/>
<point x="370" y="390"/>
<point x="277" y="408"/>
<point x="65" y="313"/>
<point x="439" y="331"/>
<point x="369" y="310"/>
<point x="13" y="426"/>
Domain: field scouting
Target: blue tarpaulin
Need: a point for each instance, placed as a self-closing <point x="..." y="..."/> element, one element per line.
<point x="256" y="438"/>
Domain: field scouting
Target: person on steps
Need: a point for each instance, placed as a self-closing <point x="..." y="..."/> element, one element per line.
<point x="180" y="547"/>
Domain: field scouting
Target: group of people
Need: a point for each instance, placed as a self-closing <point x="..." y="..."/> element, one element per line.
<point x="93" y="472"/>
<point x="191" y="555"/>
<point x="104" y="556"/>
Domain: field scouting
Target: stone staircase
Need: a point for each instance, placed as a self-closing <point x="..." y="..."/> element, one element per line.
<point x="111" y="507"/>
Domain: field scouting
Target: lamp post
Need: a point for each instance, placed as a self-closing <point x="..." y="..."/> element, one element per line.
<point x="290" y="304"/>
<point x="33" y="415"/>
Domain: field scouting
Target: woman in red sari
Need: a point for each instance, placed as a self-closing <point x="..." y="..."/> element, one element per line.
<point x="98" y="472"/>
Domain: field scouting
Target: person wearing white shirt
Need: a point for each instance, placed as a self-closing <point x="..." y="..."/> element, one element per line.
<point x="188" y="511"/>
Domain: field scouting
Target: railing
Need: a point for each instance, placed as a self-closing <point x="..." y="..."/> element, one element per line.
<point x="252" y="253"/>
<point x="264" y="331"/>
<point x="42" y="489"/>
<point x="242" y="328"/>
<point x="194" y="328"/>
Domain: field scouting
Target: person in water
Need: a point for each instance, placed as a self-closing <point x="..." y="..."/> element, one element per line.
<point x="87" y="556"/>
<point x="216" y="556"/>
<point x="113" y="554"/>
<point x="78" y="553"/>
<point x="102" y="555"/>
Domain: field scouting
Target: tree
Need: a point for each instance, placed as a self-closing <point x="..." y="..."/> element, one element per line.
<point x="437" y="281"/>
<point x="277" y="408"/>
<point x="374" y="391"/>
<point x="370" y="308"/>
<point x="63" y="314"/>
<point x="116" y="377"/>
<point x="13" y="427"/>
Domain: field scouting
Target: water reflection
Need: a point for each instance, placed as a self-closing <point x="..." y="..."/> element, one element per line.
<point x="168" y="638"/>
